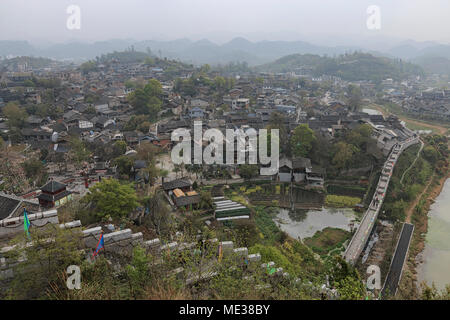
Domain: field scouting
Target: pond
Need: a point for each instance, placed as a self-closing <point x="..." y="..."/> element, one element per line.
<point x="305" y="223"/>
<point x="436" y="255"/>
<point x="372" y="112"/>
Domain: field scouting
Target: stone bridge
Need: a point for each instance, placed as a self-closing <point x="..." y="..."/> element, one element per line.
<point x="364" y="230"/>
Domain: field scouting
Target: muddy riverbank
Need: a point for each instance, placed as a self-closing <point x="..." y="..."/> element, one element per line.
<point x="433" y="262"/>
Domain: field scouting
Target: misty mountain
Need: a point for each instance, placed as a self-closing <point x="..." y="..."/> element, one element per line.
<point x="196" y="52"/>
<point x="77" y="50"/>
<point x="237" y="50"/>
<point x="410" y="52"/>
<point x="71" y="50"/>
<point x="432" y="64"/>
<point x="16" y="48"/>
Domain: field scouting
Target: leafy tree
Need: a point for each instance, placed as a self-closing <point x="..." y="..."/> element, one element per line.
<point x="302" y="140"/>
<point x="158" y="216"/>
<point x="153" y="88"/>
<point x="346" y="279"/>
<point x="88" y="66"/>
<point x="119" y="148"/>
<point x="35" y="171"/>
<point x="206" y="201"/>
<point x="220" y="83"/>
<point x="147" y="100"/>
<point x="397" y="210"/>
<point x="146" y="151"/>
<point x="354" y="97"/>
<point x="144" y="127"/>
<point x="431" y="154"/>
<point x="99" y="282"/>
<point x="343" y="155"/>
<point x="205" y="68"/>
<point x="139" y="101"/>
<point x="16" y="116"/>
<point x="350" y="288"/>
<point x="149" y="61"/>
<point x="360" y="136"/>
<point x="138" y="272"/>
<point x="185" y="87"/>
<point x="248" y="171"/>
<point x="277" y="121"/>
<point x="131" y="84"/>
<point x="78" y="151"/>
<point x="110" y="198"/>
<point x="134" y="122"/>
<point x="28" y="83"/>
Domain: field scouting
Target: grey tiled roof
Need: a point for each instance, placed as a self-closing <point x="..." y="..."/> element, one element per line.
<point x="178" y="183"/>
<point x="187" y="200"/>
<point x="53" y="186"/>
<point x="7" y="206"/>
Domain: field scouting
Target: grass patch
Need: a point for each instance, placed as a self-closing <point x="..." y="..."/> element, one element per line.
<point x="341" y="201"/>
<point x="326" y="240"/>
<point x="269" y="231"/>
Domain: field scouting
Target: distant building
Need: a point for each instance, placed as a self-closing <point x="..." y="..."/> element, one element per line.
<point x="196" y="113"/>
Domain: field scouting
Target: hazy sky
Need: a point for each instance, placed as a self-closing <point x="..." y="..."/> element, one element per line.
<point x="221" y="20"/>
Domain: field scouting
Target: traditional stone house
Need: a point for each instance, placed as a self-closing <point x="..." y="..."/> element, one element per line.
<point x="54" y="194"/>
<point x="196" y="113"/>
<point x="293" y="170"/>
<point x="183" y="184"/>
<point x="36" y="135"/>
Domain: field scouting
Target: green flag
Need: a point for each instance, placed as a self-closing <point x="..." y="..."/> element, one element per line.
<point x="270" y="270"/>
<point x="26" y="222"/>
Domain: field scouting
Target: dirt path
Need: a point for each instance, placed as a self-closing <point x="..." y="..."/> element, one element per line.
<point x="433" y="195"/>
<point x="413" y="163"/>
<point x="410" y="210"/>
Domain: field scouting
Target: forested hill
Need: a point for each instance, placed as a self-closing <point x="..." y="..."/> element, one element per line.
<point x="352" y="67"/>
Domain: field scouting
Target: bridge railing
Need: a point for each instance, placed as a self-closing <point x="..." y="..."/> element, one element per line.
<point x="390" y="162"/>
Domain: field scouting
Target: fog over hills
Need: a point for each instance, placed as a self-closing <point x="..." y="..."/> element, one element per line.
<point x="237" y="50"/>
<point x="197" y="52"/>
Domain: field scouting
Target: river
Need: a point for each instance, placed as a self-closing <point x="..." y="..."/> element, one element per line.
<point x="436" y="254"/>
<point x="304" y="224"/>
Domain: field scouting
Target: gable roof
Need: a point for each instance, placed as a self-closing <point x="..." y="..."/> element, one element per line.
<point x="300" y="162"/>
<point x="102" y="108"/>
<point x="139" y="164"/>
<point x="69" y="114"/>
<point x="7" y="206"/>
<point x="187" y="200"/>
<point x="178" y="183"/>
<point x="34" y="119"/>
<point x="285" y="162"/>
<point x="53" y="186"/>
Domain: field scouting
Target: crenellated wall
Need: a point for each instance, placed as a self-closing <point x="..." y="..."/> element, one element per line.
<point x="12" y="226"/>
<point x="122" y="242"/>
